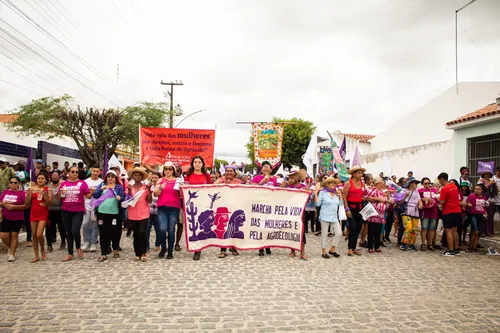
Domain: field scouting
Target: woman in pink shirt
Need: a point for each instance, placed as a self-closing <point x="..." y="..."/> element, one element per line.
<point x="477" y="203"/>
<point x="72" y="194"/>
<point x="169" y="204"/>
<point x="429" y="214"/>
<point x="138" y="215"/>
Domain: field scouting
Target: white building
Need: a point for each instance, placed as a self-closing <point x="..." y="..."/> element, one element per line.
<point x="420" y="141"/>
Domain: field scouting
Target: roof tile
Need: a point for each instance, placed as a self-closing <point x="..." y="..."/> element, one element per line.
<point x="488" y="110"/>
<point x="360" y="137"/>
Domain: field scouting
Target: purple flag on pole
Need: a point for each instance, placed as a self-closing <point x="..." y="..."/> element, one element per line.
<point x="342" y="149"/>
<point x="105" y="166"/>
<point x="485" y="167"/>
<point x="356" y="159"/>
<point x="30" y="166"/>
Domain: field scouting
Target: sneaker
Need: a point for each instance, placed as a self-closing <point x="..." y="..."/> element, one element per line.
<point x="197" y="256"/>
<point x="86" y="247"/>
<point x="456" y="252"/>
<point x="162" y="253"/>
<point x="170" y="256"/>
<point x="268" y="251"/>
<point x="93" y="248"/>
<point x="412" y="247"/>
<point x="11" y="257"/>
<point x="492" y="252"/>
<point x="371" y="251"/>
<point x="402" y="247"/>
<point x="261" y="253"/>
<point x="448" y="254"/>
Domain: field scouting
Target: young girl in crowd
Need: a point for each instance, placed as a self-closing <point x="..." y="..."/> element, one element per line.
<point x="477" y="204"/>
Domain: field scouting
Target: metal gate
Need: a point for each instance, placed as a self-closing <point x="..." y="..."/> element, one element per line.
<point x="482" y="148"/>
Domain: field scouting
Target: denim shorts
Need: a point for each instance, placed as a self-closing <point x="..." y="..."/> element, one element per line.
<point x="475" y="222"/>
<point x="429" y="224"/>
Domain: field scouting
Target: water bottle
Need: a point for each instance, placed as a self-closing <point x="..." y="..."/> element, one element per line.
<point x="178" y="182"/>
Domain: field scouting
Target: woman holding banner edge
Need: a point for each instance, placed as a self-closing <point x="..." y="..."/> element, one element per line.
<point x="265" y="179"/>
<point x="229" y="178"/>
<point x="197" y="175"/>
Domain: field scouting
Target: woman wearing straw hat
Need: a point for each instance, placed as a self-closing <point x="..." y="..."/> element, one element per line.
<point x="331" y="202"/>
<point x="353" y="193"/>
<point x="296" y="177"/>
<point x="138" y="215"/>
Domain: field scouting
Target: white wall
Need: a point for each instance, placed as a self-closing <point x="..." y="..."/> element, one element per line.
<point x="425" y="160"/>
<point x="31" y="141"/>
<point x="427" y="123"/>
<point x="60" y="159"/>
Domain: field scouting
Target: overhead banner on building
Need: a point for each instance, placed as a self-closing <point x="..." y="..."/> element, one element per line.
<point x="158" y="145"/>
<point x="243" y="216"/>
<point x="268" y="141"/>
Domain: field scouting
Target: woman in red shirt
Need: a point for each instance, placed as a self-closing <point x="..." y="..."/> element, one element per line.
<point x="197" y="175"/>
<point x="353" y="193"/>
<point x="40" y="198"/>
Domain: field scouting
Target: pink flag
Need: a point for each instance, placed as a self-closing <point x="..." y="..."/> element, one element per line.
<point x="356" y="159"/>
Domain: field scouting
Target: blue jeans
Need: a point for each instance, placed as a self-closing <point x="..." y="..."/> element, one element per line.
<point x="152" y="222"/>
<point x="90" y="229"/>
<point x="167" y="219"/>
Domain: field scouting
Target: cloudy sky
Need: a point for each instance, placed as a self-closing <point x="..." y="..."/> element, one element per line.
<point x="354" y="66"/>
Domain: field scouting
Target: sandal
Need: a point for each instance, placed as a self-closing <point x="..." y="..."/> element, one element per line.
<point x="137" y="258"/>
<point x="356" y="252"/>
<point x="35" y="260"/>
<point x="44" y="255"/>
<point x="292" y="254"/>
<point x="234" y="252"/>
<point x="80" y="253"/>
<point x="303" y="257"/>
<point x="177" y="248"/>
<point x="431" y="248"/>
<point x="349" y="253"/>
<point x="378" y="251"/>
<point x="102" y="258"/>
<point x="222" y="255"/>
<point x="144" y="258"/>
<point x="423" y="247"/>
<point x="69" y="257"/>
<point x="116" y="254"/>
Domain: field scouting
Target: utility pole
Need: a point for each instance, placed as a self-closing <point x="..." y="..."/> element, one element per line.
<point x="171" y="94"/>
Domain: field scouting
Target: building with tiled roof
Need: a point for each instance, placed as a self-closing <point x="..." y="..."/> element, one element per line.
<point x="490" y="112"/>
<point x="364" y="138"/>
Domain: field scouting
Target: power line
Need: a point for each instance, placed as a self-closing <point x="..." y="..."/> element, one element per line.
<point x="478" y="48"/>
<point x="28" y="19"/>
<point x="21" y="75"/>
<point x="12" y="84"/>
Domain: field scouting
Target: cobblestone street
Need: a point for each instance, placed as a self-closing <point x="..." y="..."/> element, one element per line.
<point x="390" y="292"/>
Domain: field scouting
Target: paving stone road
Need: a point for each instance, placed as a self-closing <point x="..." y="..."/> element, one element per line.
<point x="391" y="292"/>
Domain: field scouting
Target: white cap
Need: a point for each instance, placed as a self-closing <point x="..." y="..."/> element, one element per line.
<point x="169" y="164"/>
<point x="3" y="159"/>
<point x="111" y="172"/>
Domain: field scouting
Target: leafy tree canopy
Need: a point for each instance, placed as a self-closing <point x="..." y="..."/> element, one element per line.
<point x="91" y="129"/>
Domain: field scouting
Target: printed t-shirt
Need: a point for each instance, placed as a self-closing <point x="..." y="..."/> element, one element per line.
<point x="449" y="194"/>
<point x="432" y="213"/>
<point x="15" y="198"/>
<point x="478" y="204"/>
<point x="272" y="180"/>
<point x="74" y="200"/>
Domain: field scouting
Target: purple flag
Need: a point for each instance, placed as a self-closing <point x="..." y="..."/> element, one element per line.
<point x="30" y="166"/>
<point x="105" y="166"/>
<point x="106" y="195"/>
<point x="342" y="149"/>
<point x="485" y="167"/>
<point x="356" y="159"/>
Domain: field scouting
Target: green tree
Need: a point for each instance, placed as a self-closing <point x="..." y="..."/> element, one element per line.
<point x="296" y="138"/>
<point x="91" y="129"/>
<point x="217" y="164"/>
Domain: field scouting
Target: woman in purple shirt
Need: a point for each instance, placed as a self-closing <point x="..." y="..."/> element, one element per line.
<point x="429" y="214"/>
<point x="72" y="194"/>
<point x="265" y="179"/>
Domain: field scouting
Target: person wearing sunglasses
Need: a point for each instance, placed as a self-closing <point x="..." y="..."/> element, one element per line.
<point x="108" y="196"/>
<point x="169" y="204"/>
<point x="13" y="202"/>
<point x="72" y="194"/>
<point x="40" y="198"/>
